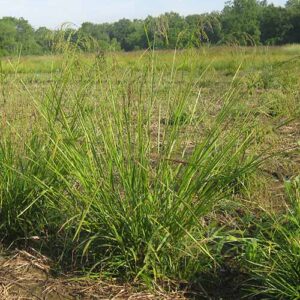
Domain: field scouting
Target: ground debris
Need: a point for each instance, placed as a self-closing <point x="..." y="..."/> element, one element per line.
<point x="26" y="275"/>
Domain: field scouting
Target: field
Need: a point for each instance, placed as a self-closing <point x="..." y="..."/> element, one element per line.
<point x="176" y="173"/>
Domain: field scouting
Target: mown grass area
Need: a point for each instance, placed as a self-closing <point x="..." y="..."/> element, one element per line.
<point x="178" y="169"/>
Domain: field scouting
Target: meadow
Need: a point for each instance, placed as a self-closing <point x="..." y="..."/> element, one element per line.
<point x="174" y="170"/>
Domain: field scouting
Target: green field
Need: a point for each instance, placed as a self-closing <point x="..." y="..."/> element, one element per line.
<point x="177" y="170"/>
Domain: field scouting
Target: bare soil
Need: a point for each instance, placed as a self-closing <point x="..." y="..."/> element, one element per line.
<point x="27" y="275"/>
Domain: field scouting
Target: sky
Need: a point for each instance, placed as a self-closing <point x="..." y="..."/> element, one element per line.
<point x="53" y="13"/>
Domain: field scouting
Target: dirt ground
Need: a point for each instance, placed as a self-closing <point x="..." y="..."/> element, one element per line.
<point x="26" y="275"/>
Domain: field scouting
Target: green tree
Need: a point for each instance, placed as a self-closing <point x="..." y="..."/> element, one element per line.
<point x="155" y="31"/>
<point x="120" y="31"/>
<point x="203" y="28"/>
<point x="240" y="22"/>
<point x="25" y="37"/>
<point x="292" y="4"/>
<point x="8" y="33"/>
<point x="274" y="25"/>
<point x="168" y="30"/>
<point x="176" y="30"/>
<point x="44" y="38"/>
<point x="99" y="32"/>
<point x="293" y="35"/>
<point x="137" y="39"/>
<point x="17" y="35"/>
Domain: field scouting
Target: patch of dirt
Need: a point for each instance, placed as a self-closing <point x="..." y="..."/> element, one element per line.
<point x="25" y="275"/>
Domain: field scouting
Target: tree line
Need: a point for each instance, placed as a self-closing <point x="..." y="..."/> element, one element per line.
<point x="241" y="22"/>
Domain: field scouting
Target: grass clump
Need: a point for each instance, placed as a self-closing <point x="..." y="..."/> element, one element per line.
<point x="149" y="167"/>
<point x="103" y="171"/>
<point x="270" y="254"/>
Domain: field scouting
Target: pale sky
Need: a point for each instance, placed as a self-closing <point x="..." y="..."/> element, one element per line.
<point x="52" y="13"/>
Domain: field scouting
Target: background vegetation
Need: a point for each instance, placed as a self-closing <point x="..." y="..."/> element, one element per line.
<point x="241" y="22"/>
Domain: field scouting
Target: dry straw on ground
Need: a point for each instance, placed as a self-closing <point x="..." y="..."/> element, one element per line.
<point x="25" y="275"/>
